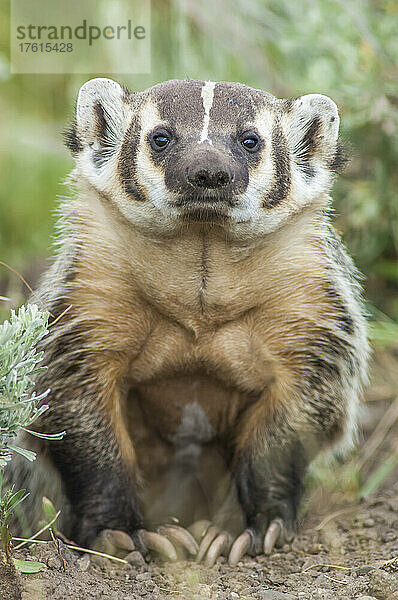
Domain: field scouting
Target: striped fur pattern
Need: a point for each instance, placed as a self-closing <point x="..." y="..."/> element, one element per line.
<point x="212" y="304"/>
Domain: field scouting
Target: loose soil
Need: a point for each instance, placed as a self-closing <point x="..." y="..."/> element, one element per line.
<point x="345" y="548"/>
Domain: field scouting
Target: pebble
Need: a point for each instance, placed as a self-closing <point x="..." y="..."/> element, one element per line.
<point x="271" y="595"/>
<point x="143" y="576"/>
<point x="54" y="562"/>
<point x="368" y="523"/>
<point x="382" y="584"/>
<point x="234" y="596"/>
<point x="135" y="559"/>
<point x="366" y="598"/>
<point x="363" y="570"/>
<point x="84" y="562"/>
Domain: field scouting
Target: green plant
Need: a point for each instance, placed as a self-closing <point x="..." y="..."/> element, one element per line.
<point x="8" y="503"/>
<point x="19" y="404"/>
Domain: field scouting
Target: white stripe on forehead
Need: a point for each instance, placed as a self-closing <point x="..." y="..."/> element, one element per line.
<point x="207" y="99"/>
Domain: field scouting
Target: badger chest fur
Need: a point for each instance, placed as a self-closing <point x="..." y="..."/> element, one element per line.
<point x="214" y="342"/>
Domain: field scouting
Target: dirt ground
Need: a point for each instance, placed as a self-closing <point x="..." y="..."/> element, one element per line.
<point x="346" y="548"/>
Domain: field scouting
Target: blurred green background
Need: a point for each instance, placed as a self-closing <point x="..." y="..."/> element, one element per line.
<point x="347" y="49"/>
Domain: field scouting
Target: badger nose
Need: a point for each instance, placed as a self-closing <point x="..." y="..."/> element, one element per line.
<point x="207" y="177"/>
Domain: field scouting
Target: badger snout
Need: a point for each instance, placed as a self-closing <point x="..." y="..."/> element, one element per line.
<point x="209" y="176"/>
<point x="206" y="180"/>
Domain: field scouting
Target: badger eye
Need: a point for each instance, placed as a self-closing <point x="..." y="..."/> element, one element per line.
<point x="250" y="142"/>
<point x="159" y="140"/>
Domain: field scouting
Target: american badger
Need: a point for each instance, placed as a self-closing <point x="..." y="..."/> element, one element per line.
<point x="215" y="341"/>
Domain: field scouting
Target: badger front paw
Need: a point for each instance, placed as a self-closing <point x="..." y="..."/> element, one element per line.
<point x="253" y="541"/>
<point x="260" y="538"/>
<point x="169" y="542"/>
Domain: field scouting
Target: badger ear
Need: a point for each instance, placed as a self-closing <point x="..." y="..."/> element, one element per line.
<point x="101" y="112"/>
<point x="313" y="135"/>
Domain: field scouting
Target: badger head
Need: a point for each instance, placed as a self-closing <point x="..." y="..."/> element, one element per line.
<point x="198" y="151"/>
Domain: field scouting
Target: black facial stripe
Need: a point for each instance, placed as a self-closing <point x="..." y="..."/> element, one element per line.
<point x="127" y="167"/>
<point x="281" y="183"/>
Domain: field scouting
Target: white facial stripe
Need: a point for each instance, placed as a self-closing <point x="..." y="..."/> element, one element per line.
<point x="151" y="177"/>
<point x="207" y="99"/>
<point x="260" y="177"/>
<point x="150" y="117"/>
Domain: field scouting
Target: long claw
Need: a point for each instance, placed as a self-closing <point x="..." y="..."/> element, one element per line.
<point x="239" y="548"/>
<point x="159" y="543"/>
<point x="218" y="546"/>
<point x="181" y="536"/>
<point x="199" y="528"/>
<point x="273" y="532"/>
<point x="211" y="533"/>
<point x="112" y="541"/>
<point x="122" y="540"/>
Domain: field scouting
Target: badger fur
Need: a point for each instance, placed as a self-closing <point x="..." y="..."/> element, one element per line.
<point x="215" y="322"/>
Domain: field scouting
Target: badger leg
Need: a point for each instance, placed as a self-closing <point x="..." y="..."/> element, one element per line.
<point x="95" y="459"/>
<point x="276" y="439"/>
<point x="269" y="489"/>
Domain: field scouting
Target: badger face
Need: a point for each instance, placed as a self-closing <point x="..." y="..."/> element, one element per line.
<point x="199" y="151"/>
